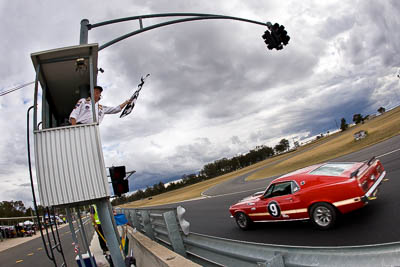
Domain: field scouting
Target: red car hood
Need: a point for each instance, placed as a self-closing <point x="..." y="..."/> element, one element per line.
<point x="248" y="199"/>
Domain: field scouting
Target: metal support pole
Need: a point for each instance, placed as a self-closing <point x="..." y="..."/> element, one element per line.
<point x="72" y="229"/>
<point x="141" y="23"/>
<point x="113" y="222"/>
<point x="35" y="98"/>
<point x="109" y="233"/>
<point x="84" y="31"/>
<point x="92" y="89"/>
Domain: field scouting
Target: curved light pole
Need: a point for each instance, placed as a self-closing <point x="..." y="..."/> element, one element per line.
<point x="274" y="36"/>
<point x="86" y="26"/>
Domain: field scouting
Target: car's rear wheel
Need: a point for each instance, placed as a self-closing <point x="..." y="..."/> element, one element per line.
<point x="243" y="221"/>
<point x="323" y="215"/>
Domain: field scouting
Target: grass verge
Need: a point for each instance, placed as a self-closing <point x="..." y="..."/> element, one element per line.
<point x="379" y="129"/>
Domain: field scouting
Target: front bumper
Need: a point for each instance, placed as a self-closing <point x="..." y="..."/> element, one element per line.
<point x="370" y="195"/>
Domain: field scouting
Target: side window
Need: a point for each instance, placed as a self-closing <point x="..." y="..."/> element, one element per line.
<point x="280" y="189"/>
<point x="295" y="187"/>
<point x="269" y="191"/>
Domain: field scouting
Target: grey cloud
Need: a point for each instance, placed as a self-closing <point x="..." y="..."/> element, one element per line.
<point x="376" y="34"/>
<point x="335" y="25"/>
<point x="235" y="140"/>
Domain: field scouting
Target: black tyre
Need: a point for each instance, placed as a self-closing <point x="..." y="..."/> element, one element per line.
<point x="323" y="215"/>
<point x="243" y="221"/>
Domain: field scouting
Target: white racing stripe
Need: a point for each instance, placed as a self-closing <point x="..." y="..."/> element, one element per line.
<point x="347" y="201"/>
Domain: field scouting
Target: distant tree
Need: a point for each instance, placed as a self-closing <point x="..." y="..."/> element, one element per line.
<point x="296" y="144"/>
<point x="158" y="188"/>
<point x="343" y="124"/>
<point x="279" y="148"/>
<point x="285" y="143"/>
<point x="12" y="208"/>
<point x="282" y="146"/>
<point x="357" y="118"/>
<point x="381" y="110"/>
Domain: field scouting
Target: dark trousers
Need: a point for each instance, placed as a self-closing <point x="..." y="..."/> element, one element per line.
<point x="101" y="240"/>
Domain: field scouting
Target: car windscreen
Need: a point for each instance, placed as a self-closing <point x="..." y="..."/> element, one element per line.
<point x="332" y="169"/>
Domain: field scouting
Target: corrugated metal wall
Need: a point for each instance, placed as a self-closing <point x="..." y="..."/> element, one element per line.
<point x="70" y="165"/>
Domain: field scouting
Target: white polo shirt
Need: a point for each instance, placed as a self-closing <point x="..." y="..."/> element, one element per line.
<point x="82" y="112"/>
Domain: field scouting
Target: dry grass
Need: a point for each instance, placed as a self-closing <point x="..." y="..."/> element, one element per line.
<point x="379" y="129"/>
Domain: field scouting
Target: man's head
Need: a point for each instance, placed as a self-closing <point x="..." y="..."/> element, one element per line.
<point x="97" y="93"/>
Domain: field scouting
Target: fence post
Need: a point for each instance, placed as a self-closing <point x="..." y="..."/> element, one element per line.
<point x="128" y="216"/>
<point x="173" y="233"/>
<point x="147" y="224"/>
<point x="135" y="220"/>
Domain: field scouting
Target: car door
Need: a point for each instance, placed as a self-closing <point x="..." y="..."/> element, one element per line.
<point x="283" y="202"/>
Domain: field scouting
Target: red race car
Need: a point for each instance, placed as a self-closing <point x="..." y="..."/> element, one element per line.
<point x="317" y="193"/>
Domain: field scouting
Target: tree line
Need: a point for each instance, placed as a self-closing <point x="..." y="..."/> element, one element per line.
<point x="9" y="209"/>
<point x="209" y="171"/>
<point x="358" y="118"/>
<point x="14" y="209"/>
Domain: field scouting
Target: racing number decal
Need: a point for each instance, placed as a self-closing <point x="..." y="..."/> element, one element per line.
<point x="274" y="209"/>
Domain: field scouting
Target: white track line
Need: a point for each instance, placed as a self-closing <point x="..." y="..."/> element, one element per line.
<point x="388" y="153"/>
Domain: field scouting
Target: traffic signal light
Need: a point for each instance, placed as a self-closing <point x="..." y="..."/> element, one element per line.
<point x="120" y="185"/>
<point x="282" y="33"/>
<point x="269" y="40"/>
<point x="277" y="38"/>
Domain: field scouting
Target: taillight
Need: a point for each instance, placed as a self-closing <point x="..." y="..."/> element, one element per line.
<point x="379" y="169"/>
<point x="372" y="177"/>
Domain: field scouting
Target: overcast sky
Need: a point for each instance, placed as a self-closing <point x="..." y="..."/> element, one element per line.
<point x="215" y="89"/>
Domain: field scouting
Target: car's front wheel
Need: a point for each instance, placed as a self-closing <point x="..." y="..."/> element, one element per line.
<point x="243" y="221"/>
<point x="323" y="215"/>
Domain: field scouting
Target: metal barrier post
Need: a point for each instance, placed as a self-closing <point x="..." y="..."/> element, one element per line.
<point x="147" y="224"/>
<point x="135" y="220"/>
<point x="173" y="233"/>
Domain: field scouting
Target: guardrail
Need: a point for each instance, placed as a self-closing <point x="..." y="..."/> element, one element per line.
<point x="167" y="227"/>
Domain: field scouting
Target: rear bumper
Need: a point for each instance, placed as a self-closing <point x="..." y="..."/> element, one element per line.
<point x="371" y="192"/>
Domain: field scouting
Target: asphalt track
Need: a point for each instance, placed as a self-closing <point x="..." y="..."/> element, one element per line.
<point x="33" y="252"/>
<point x="376" y="223"/>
